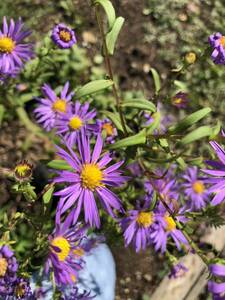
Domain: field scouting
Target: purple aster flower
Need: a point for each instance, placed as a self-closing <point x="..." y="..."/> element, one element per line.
<point x="217" y="285"/>
<point x="76" y="121"/>
<point x="63" y="36"/>
<point x="164" y="229"/>
<point x="8" y="269"/>
<point x="107" y="128"/>
<point x="135" y="169"/>
<point x="177" y="271"/>
<point x="90" y="177"/>
<point x="137" y="226"/>
<point x="13" y="52"/>
<point x="22" y="289"/>
<point x="51" y="105"/>
<point x="217" y="42"/>
<point x="75" y="294"/>
<point x="218" y="181"/>
<point x="180" y="100"/>
<point x="195" y="190"/>
<point x="64" y="251"/>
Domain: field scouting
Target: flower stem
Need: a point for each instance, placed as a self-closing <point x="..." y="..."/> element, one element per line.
<point x="109" y="69"/>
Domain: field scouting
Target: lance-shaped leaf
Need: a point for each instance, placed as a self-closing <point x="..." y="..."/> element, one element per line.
<point x="155" y="124"/>
<point x="156" y="79"/>
<point x="136" y="139"/>
<point x="2" y="111"/>
<point x="141" y="104"/>
<point x="112" y="36"/>
<point x="93" y="87"/>
<point x="48" y="195"/>
<point x="114" y="117"/>
<point x="59" y="165"/>
<point x="109" y="10"/>
<point x="197" y="134"/>
<point x="190" y="120"/>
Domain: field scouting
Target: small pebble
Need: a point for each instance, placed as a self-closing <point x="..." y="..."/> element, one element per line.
<point x="148" y="277"/>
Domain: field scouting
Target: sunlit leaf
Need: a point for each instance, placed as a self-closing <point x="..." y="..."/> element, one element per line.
<point x="197" y="134"/>
<point x="112" y="36"/>
<point x="190" y="120"/>
<point x="156" y="79"/>
<point x="140" y="104"/>
<point x="93" y="87"/>
<point x="59" y="165"/>
<point x="136" y="139"/>
<point x="109" y="10"/>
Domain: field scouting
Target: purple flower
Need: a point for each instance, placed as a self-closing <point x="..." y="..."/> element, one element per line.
<point x="107" y="128"/>
<point x="76" y="295"/>
<point x="217" y="42"/>
<point x="22" y="289"/>
<point x="177" y="271"/>
<point x="13" y="52"/>
<point x="89" y="177"/>
<point x="164" y="229"/>
<point x="51" y="106"/>
<point x="180" y="100"/>
<point x="218" y="181"/>
<point x="63" y="36"/>
<point x="8" y="269"/>
<point x="76" y="121"/>
<point x="65" y="251"/>
<point x="217" y="286"/>
<point x="137" y="226"/>
<point x="195" y="189"/>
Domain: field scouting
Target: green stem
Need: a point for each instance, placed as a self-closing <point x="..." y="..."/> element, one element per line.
<point x="109" y="69"/>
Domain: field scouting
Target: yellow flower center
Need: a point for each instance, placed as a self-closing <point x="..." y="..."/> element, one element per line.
<point x="145" y="219"/>
<point x="20" y="290"/>
<point x="177" y="100"/>
<point x="108" y="128"/>
<point x="63" y="247"/>
<point x="170" y="223"/>
<point x="198" y="187"/>
<point x="222" y="41"/>
<point x="73" y="277"/>
<point x="23" y="170"/>
<point x="91" y="176"/>
<point x="190" y="57"/>
<point x="59" y="105"/>
<point x="65" y="35"/>
<point x="3" y="266"/>
<point x="78" y="252"/>
<point x="7" y="45"/>
<point x="75" y="123"/>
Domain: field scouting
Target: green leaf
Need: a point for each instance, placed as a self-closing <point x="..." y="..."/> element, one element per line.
<point x="197" y="134"/>
<point x="155" y="124"/>
<point x="2" y="111"/>
<point x="156" y="79"/>
<point x="190" y="120"/>
<point x="59" y="165"/>
<point x="114" y="117"/>
<point x="93" y="87"/>
<point x="136" y="139"/>
<point x="112" y="36"/>
<point x="140" y="104"/>
<point x="48" y="195"/>
<point x="109" y="10"/>
<point x="215" y="130"/>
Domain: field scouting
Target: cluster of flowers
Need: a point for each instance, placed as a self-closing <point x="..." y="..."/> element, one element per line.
<point x="92" y="175"/>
